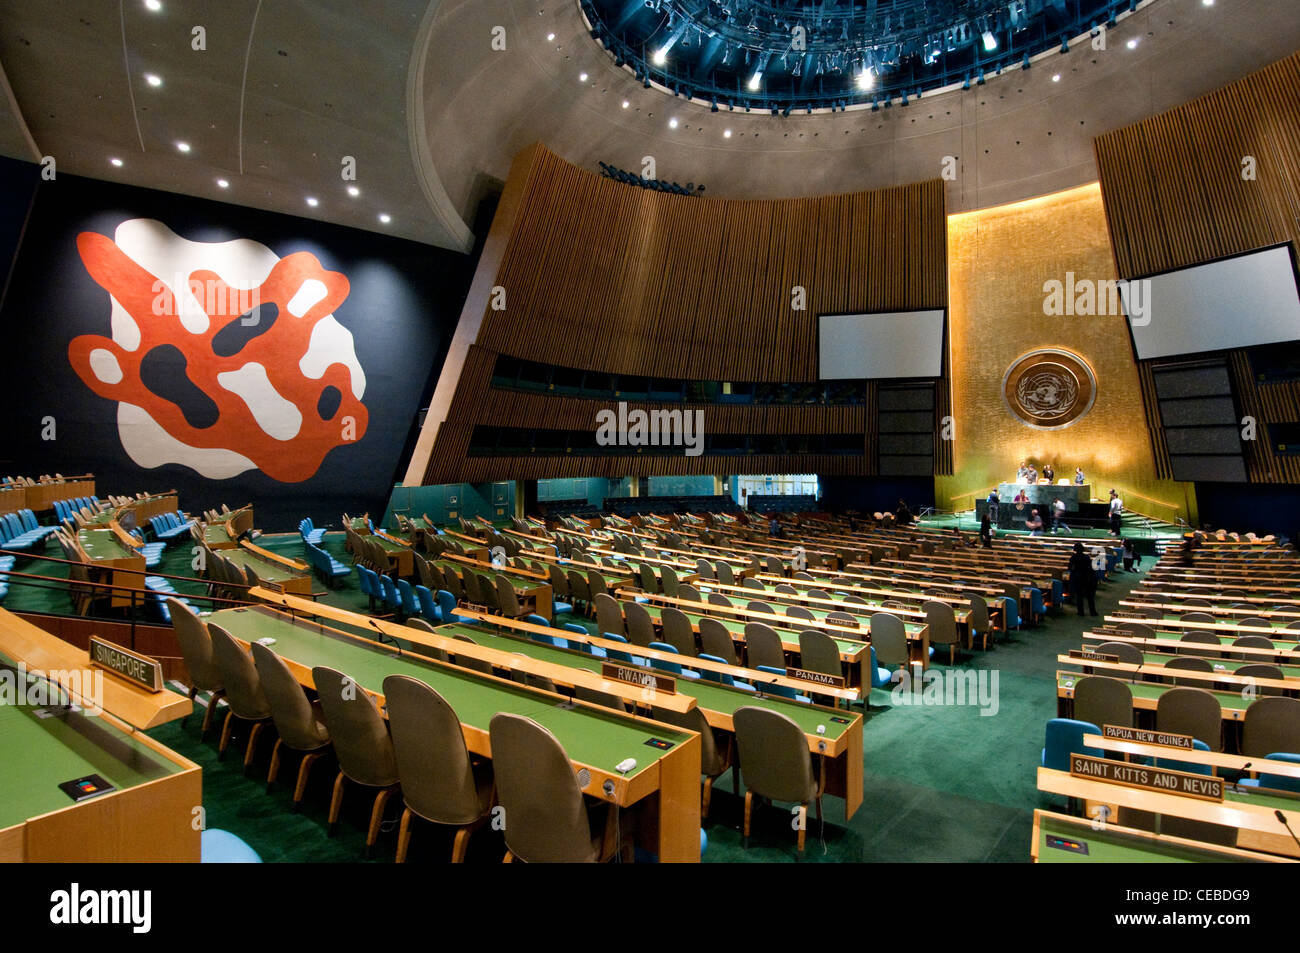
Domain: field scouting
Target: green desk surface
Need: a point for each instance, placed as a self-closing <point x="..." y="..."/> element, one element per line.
<point x="737" y="627"/>
<point x="391" y="545"/>
<point x="39" y="754"/>
<point x="1220" y="665"/>
<point x="1153" y="690"/>
<point x="589" y="736"/>
<point x="707" y="695"/>
<point x="1113" y="847"/>
<point x="519" y="582"/>
<point x="1165" y="635"/>
<point x="1227" y="620"/>
<point x="104" y="544"/>
<point x="264" y="568"/>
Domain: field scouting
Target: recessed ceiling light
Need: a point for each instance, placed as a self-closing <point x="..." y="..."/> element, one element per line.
<point x="153" y="79"/>
<point x="726" y="134"/>
<point x="313" y="202"/>
<point x="183" y="146"/>
<point x="550" y="38"/>
<point x="1207" y="3"/>
<point x="153" y="5"/>
<point x="672" y="123"/>
<point x="1132" y="44"/>
<point x="582" y="77"/>
<point x="385" y="217"/>
<point x="117" y="162"/>
<point x="353" y="191"/>
<point x="626" y="104"/>
<point x="222" y="184"/>
<point x="1056" y="77"/>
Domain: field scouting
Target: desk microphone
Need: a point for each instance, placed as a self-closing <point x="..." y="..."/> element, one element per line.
<point x="383" y="635"/>
<point x="1282" y="817"/>
<point x="1236" y="787"/>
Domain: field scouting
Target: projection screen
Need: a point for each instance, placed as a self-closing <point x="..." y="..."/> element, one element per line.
<point x="1240" y="302"/>
<point x="880" y="346"/>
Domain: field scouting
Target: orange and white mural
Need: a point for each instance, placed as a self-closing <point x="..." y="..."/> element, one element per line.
<point x="290" y="392"/>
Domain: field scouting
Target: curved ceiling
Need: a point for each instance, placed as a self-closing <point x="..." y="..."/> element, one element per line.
<point x="279" y="95"/>
<point x="1021" y="134"/>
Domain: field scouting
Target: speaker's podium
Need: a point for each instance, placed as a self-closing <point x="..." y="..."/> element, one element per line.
<point x="1077" y="498"/>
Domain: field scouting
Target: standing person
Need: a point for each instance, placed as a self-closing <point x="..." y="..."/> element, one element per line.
<point x="1048" y="473"/>
<point x="1058" y="516"/>
<point x="1116" y="508"/>
<point x="986" y="532"/>
<point x="1130" y="555"/>
<point x="902" y="515"/>
<point x="1034" y="524"/>
<point x="1083" y="580"/>
<point x="1078" y="477"/>
<point x="1031" y="475"/>
<point x="993" y="501"/>
<point x="774" y="527"/>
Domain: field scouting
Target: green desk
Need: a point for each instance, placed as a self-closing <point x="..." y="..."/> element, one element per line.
<point x="1146" y="696"/>
<point x="113" y="563"/>
<point x="1059" y="839"/>
<point x="270" y="570"/>
<point x="594" y="738"/>
<point x="147" y="818"/>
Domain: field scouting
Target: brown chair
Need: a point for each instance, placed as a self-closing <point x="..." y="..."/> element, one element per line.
<point x="649" y="583"/>
<point x="1190" y="643"/>
<point x="546" y="816"/>
<point x="441" y="783"/>
<point x="487" y="588"/>
<point x="1196" y="617"/>
<point x="1191" y="711"/>
<point x="1103" y="701"/>
<point x="609" y="615"/>
<point x="758" y="606"/>
<point x="668" y="579"/>
<point x="596" y="582"/>
<point x="750" y="582"/>
<point x="299" y="723"/>
<point x="579" y="589"/>
<point x="508" y="599"/>
<point x="640" y="627"/>
<point x="1129" y="654"/>
<point x="715" y="759"/>
<point x="424" y="625"/>
<point x="196" y="650"/>
<point x="482" y="666"/>
<point x="1191" y="663"/>
<point x="244" y="695"/>
<point x="1271" y="725"/>
<point x="715" y="639"/>
<point x="800" y="612"/>
<point x="361" y="741"/>
<point x="677" y="631"/>
<point x="943" y="626"/>
<point x="775" y="764"/>
<point x="1251" y="642"/>
<point x="763" y="646"/>
<point x="1137" y="629"/>
<point x="704" y="569"/>
<point x="1261" y="670"/>
<point x="718" y="599"/>
<point x="688" y="593"/>
<point x="819" y="653"/>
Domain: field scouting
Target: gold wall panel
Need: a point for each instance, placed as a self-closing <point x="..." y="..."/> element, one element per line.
<point x="999" y="260"/>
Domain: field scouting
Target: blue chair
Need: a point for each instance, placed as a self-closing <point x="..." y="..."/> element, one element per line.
<point x="1037" y="609"/>
<point x="722" y="678"/>
<point x="1058" y="593"/>
<point x="366" y="586"/>
<point x="406" y="603"/>
<point x="881" y="677"/>
<point x="446" y="606"/>
<point x="535" y="619"/>
<point x="1170" y="764"/>
<point x="223" y="847"/>
<point x="1065" y="737"/>
<point x="1278" y="782"/>
<point x="428" y="607"/>
<point x="1011" y="608"/>
<point x="781" y="691"/>
<point x="392" y="598"/>
<point x="544" y="638"/>
<point x="615" y="653"/>
<point x="664" y="665"/>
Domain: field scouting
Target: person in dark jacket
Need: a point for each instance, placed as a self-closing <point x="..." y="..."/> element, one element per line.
<point x="1083" y="581"/>
<point x="986" y="531"/>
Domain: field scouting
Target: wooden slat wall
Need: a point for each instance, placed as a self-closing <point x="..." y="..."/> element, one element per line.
<point x="1175" y="197"/>
<point x="605" y="277"/>
<point x="612" y="278"/>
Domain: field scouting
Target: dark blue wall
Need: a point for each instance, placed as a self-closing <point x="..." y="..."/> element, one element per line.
<point x="1259" y="508"/>
<point x="875" y="494"/>
<point x="402" y="308"/>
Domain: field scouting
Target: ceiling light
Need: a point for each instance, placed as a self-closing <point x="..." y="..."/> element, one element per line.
<point x="672" y="123"/>
<point x="183" y="146"/>
<point x="865" y="79"/>
<point x="1207" y="3"/>
<point x="550" y="38"/>
<point x="626" y="104"/>
<point x="582" y="77"/>
<point x="385" y="217"/>
<point x="755" y="80"/>
<point x="353" y="191"/>
<point x="153" y="79"/>
<point x="153" y="6"/>
<point x="313" y="202"/>
<point x="1056" y="77"/>
<point x="726" y="134"/>
<point x="117" y="162"/>
<point x="1132" y="44"/>
<point x="661" y="56"/>
<point x="990" y="41"/>
<point x="222" y="184"/>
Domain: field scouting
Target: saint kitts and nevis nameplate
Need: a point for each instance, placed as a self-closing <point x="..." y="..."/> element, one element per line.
<point x="1161" y="780"/>
<point x="135" y="668"/>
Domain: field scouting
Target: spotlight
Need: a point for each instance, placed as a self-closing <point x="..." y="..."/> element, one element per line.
<point x="672" y="123"/>
<point x="116" y="162"/>
<point x="385" y="217"/>
<point x="990" y="41"/>
<point x="865" y="79"/>
<point x="222" y="184"/>
<point x="626" y="104"/>
<point x="1056" y="77"/>
<point x="183" y="146"/>
<point x="313" y="202"/>
<point x="1132" y="44"/>
<point x="582" y="77"/>
<point x="153" y="79"/>
<point x="660" y="57"/>
<point x="153" y="6"/>
<point x="353" y="191"/>
<point x="756" y="79"/>
<point x="726" y="134"/>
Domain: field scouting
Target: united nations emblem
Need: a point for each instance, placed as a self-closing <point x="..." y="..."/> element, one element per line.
<point x="1049" y="389"/>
